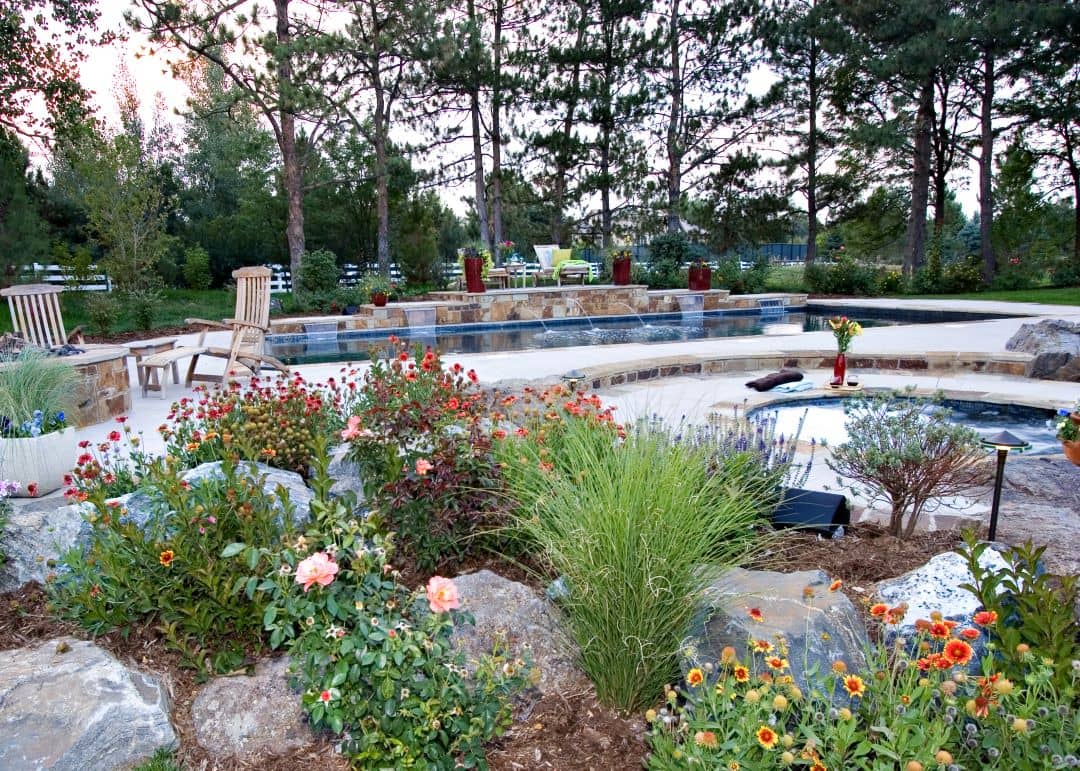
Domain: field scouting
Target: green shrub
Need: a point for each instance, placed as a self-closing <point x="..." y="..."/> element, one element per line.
<point x="36" y="390"/>
<point x="1064" y="272"/>
<point x="891" y="282"/>
<point x="168" y="570"/>
<point x="1031" y="608"/>
<point x="144" y="304"/>
<point x="419" y="436"/>
<point x="1015" y="273"/>
<point x="905" y="451"/>
<point x="373" y="659"/>
<point x="962" y="276"/>
<point x="274" y="421"/>
<point x="846" y="276"/>
<point x="667" y="255"/>
<point x="318" y="273"/>
<point x="197" y="268"/>
<point x="730" y="275"/>
<point x="916" y="707"/>
<point x="629" y="528"/>
<point x="103" y="311"/>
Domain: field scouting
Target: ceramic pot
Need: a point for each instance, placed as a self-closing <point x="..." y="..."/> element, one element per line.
<point x="700" y="278"/>
<point x="1072" y="451"/>
<point x="378" y="299"/>
<point x="41" y="460"/>
<point x="620" y="272"/>
<point x="839" y="370"/>
<point x="474" y="275"/>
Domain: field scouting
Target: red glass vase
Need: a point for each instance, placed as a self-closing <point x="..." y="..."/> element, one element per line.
<point x="839" y="370"/>
<point x="474" y="275"/>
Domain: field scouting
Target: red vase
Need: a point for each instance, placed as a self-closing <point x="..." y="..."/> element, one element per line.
<point x="378" y="299"/>
<point x="620" y="272"/>
<point x="700" y="278"/>
<point x="839" y="370"/>
<point x="474" y="275"/>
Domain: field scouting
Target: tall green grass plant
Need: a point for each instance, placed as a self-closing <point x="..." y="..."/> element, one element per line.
<point x="34" y="381"/>
<point x="631" y="527"/>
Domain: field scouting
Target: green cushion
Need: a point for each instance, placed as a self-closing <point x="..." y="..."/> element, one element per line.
<point x="560" y="255"/>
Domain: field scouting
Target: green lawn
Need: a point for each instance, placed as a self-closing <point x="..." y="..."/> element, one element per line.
<point x="1051" y="296"/>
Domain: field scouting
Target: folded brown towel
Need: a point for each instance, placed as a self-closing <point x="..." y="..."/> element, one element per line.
<point x="768" y="382"/>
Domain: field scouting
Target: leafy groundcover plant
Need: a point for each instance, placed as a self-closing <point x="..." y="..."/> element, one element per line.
<point x="168" y="570"/>
<point x="919" y="706"/>
<point x="419" y="436"/>
<point x="374" y="659"/>
<point x="114" y="467"/>
<point x="628" y="524"/>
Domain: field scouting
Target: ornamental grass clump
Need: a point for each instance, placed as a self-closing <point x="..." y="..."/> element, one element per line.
<point x="904" y="450"/>
<point x="631" y="526"/>
<point x="36" y="389"/>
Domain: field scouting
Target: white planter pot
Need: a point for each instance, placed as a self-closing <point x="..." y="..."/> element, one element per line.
<point x="41" y="459"/>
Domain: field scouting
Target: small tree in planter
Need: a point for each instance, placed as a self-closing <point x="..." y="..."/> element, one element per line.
<point x="903" y="452"/>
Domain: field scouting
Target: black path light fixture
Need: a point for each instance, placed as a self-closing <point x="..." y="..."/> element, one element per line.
<point x="573" y="378"/>
<point x="1004" y="442"/>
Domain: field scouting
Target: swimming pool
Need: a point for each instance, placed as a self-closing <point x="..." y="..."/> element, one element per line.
<point x="608" y="330"/>
<point x="825" y="420"/>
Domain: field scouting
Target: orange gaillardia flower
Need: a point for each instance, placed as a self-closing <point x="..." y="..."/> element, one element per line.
<point x="766" y="737"/>
<point x="706" y="739"/>
<point x="777" y="663"/>
<point x="695" y="677"/>
<point x="835" y="585"/>
<point x="969" y="634"/>
<point x="985" y="617"/>
<point x="854" y="685"/>
<point x="879" y="609"/>
<point x="756" y="614"/>
<point x="742" y="674"/>
<point x="762" y="646"/>
<point x="166" y="557"/>
<point x="958" y="652"/>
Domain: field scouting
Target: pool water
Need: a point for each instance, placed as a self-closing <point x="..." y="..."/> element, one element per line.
<point x="824" y="421"/>
<point x="560" y="333"/>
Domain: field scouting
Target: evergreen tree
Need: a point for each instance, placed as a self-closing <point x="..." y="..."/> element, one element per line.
<point x="23" y="234"/>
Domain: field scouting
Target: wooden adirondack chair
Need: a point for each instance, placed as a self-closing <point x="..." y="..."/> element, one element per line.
<point x="249" y="329"/>
<point x="35" y="315"/>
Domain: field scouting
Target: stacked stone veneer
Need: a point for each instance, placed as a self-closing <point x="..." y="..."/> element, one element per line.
<point x="537" y="304"/>
<point x="105" y="392"/>
<point x="676" y="366"/>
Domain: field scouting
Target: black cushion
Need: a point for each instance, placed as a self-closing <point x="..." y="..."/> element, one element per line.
<point x="768" y="382"/>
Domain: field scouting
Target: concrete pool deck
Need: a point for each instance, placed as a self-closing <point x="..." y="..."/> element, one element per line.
<point x="694" y="396"/>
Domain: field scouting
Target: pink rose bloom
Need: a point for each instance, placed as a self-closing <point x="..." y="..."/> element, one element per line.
<point x="353" y="429"/>
<point x="442" y="595"/>
<point x="316" y="569"/>
<point x="423" y="466"/>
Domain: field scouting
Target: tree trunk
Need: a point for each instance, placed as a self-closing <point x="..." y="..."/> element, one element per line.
<point x="941" y="163"/>
<point x="986" y="168"/>
<point x="478" y="140"/>
<point x="292" y="174"/>
<point x="915" y="246"/>
<point x="562" y="157"/>
<point x="382" y="188"/>
<point x="1074" y="170"/>
<point x="811" y="155"/>
<point x="674" y="151"/>
<point x="496" y="135"/>
<point x="605" y="188"/>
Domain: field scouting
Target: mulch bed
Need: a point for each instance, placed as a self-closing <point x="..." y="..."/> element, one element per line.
<point x="569" y="732"/>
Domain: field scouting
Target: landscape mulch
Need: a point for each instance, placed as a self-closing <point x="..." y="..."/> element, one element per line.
<point x="569" y="732"/>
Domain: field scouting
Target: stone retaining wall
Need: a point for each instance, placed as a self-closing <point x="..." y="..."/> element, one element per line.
<point x="104" y="392"/>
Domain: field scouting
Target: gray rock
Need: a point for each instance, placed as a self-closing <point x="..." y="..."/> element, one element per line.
<point x="512" y="613"/>
<point x="346" y="475"/>
<point x="236" y="716"/>
<point x="38" y="533"/>
<point x="78" y="710"/>
<point x="936" y="587"/>
<point x="818" y="630"/>
<point x="141" y="505"/>
<point x="1055" y="344"/>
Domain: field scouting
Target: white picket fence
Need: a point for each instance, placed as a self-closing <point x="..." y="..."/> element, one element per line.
<point x="57" y="274"/>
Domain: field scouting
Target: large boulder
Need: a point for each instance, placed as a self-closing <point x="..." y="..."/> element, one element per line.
<point x="819" y="626"/>
<point x="141" y="505"/>
<point x="37" y="534"/>
<point x="67" y="705"/>
<point x="346" y="474"/>
<point x="936" y="587"/>
<point x="236" y="716"/>
<point x="1055" y="344"/>
<point x="512" y="613"/>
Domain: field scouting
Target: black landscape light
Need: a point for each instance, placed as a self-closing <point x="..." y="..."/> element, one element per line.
<point x="1004" y="442"/>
